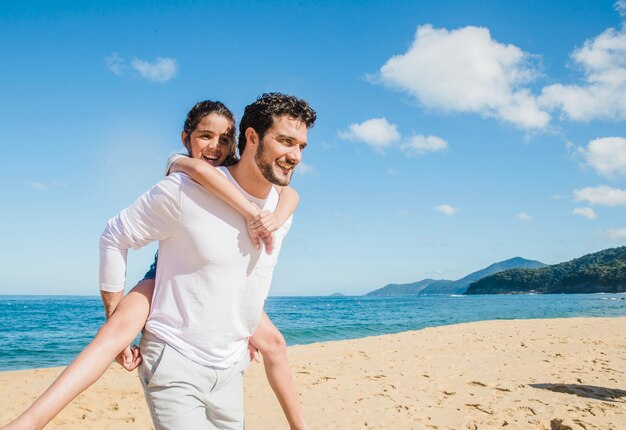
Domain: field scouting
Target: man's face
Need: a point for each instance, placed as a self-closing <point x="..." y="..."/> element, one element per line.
<point x="211" y="140"/>
<point x="280" y="150"/>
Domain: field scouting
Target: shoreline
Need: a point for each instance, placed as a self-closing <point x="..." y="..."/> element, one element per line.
<point x="52" y="368"/>
<point x="523" y="373"/>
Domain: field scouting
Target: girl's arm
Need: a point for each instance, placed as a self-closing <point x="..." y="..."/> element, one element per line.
<point x="260" y="224"/>
<point x="287" y="204"/>
<point x="208" y="176"/>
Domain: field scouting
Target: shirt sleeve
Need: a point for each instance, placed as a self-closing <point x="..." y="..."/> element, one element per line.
<point x="153" y="216"/>
<point x="171" y="160"/>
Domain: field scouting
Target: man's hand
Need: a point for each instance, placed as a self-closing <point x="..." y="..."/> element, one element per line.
<point x="130" y="358"/>
<point x="254" y="352"/>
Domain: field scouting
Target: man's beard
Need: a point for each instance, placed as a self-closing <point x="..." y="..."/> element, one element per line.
<point x="267" y="169"/>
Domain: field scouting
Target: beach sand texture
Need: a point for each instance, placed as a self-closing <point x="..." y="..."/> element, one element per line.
<point x="516" y="374"/>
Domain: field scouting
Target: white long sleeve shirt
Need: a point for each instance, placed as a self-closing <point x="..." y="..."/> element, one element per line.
<point x="211" y="281"/>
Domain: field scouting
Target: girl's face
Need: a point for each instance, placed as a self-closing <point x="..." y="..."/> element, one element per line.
<point x="211" y="140"/>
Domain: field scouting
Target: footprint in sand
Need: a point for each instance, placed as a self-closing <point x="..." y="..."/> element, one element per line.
<point x="528" y="408"/>
<point x="557" y="424"/>
<point x="479" y="407"/>
<point x="373" y="377"/>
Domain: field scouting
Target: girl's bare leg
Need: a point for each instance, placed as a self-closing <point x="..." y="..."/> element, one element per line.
<point x="271" y="343"/>
<point x="115" y="335"/>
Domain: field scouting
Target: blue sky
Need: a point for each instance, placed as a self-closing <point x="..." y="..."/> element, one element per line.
<point x="450" y="134"/>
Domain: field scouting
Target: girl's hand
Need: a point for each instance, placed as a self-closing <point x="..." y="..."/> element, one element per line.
<point x="265" y="222"/>
<point x="261" y="229"/>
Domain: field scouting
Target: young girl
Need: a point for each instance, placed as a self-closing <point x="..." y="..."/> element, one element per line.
<point x="126" y="317"/>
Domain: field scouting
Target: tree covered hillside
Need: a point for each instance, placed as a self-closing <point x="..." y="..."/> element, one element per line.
<point x="601" y="272"/>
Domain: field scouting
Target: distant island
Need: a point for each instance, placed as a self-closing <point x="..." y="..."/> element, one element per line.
<point x="428" y="287"/>
<point x="600" y="272"/>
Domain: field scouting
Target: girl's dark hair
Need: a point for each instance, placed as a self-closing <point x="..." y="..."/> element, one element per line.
<point x="204" y="108"/>
<point x="260" y="115"/>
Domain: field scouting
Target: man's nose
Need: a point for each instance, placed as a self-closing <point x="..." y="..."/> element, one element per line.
<point x="295" y="155"/>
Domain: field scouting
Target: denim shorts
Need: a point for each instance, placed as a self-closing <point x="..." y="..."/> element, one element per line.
<point x="151" y="273"/>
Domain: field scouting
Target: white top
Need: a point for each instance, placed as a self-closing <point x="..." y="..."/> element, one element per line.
<point x="211" y="281"/>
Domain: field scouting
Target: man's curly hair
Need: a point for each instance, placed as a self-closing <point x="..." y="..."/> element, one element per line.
<point x="261" y="114"/>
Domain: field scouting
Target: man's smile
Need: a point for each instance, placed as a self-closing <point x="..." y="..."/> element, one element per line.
<point x="285" y="166"/>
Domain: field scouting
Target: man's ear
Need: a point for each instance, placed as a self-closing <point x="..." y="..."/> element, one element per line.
<point x="252" y="138"/>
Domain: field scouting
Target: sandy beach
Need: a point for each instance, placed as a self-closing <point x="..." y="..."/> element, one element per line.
<point x="517" y="374"/>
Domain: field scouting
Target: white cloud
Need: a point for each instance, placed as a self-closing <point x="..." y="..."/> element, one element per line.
<point x="160" y="70"/>
<point x="380" y="134"/>
<point x="376" y="132"/>
<point x="606" y="155"/>
<point x="304" y="169"/>
<point x="465" y="70"/>
<point x="560" y="196"/>
<point x="602" y="195"/>
<point x="602" y="95"/>
<point x="38" y="186"/>
<point x="447" y="209"/>
<point x="524" y="217"/>
<point x="115" y="64"/>
<point x="620" y="7"/>
<point x="615" y="233"/>
<point x="585" y="212"/>
<point x="419" y="144"/>
<point x="43" y="186"/>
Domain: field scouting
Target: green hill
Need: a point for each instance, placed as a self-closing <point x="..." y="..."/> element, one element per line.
<point x="460" y="286"/>
<point x="600" y="272"/>
<point x="402" y="289"/>
<point x="443" y="286"/>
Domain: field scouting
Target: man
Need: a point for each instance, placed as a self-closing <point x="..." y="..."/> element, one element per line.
<point x="212" y="281"/>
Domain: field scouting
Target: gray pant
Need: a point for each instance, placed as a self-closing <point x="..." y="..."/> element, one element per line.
<point x="182" y="394"/>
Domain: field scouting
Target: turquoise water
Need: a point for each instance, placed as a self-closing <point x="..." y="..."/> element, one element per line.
<point x="45" y="331"/>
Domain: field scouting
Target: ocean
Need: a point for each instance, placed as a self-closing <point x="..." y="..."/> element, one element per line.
<point x="47" y="331"/>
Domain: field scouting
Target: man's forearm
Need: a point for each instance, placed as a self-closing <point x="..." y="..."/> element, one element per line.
<point x="110" y="301"/>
